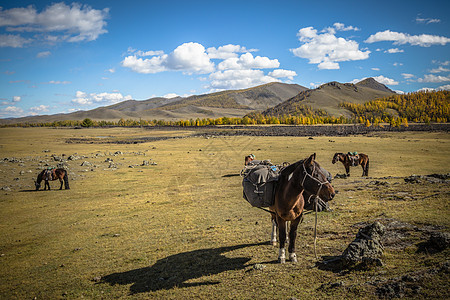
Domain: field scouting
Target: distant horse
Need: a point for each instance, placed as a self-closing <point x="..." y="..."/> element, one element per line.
<point x="304" y="175"/>
<point x="345" y="159"/>
<point x="50" y="175"/>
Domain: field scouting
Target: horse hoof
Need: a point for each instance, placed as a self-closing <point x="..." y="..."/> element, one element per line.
<point x="282" y="260"/>
<point x="274" y="243"/>
<point x="293" y="257"/>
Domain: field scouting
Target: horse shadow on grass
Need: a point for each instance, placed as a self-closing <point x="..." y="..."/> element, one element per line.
<point x="181" y="270"/>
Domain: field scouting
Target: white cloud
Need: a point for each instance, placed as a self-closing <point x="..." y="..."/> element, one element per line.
<point x="227" y="51"/>
<point x="380" y="79"/>
<point x="145" y="66"/>
<point x="427" y="20"/>
<point x="247" y="61"/>
<point x="39" y="109"/>
<point x="281" y="73"/>
<point x="433" y="78"/>
<point x="439" y="70"/>
<point x="188" y="57"/>
<point x="342" y="27"/>
<point x="326" y="49"/>
<point x="72" y="23"/>
<point x="112" y="70"/>
<point x="397" y="64"/>
<point x="407" y="76"/>
<point x="107" y="98"/>
<point x="376" y="69"/>
<point x="16" y="98"/>
<point x="58" y="82"/>
<point x="11" y="111"/>
<point x="394" y="50"/>
<point x="13" y="41"/>
<point x="426" y="89"/>
<point x="423" y="40"/>
<point x="43" y="54"/>
<point x="385" y="80"/>
<point x="238" y="79"/>
<point x="445" y="87"/>
<point x="170" y="95"/>
<point x="149" y="53"/>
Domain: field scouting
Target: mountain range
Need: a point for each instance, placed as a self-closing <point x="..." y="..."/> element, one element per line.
<point x="270" y="99"/>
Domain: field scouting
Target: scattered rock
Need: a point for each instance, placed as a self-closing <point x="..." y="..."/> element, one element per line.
<point x="73" y="157"/>
<point x="438" y="241"/>
<point x="361" y="253"/>
<point x="85" y="164"/>
<point x="57" y="158"/>
<point x="343" y="176"/>
<point x="258" y="267"/>
<point x="367" y="245"/>
<point x="145" y="163"/>
<point x="432" y="178"/>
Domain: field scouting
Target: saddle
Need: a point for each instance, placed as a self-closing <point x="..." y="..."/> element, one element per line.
<point x="259" y="183"/>
<point x="354" y="158"/>
<point x="49" y="174"/>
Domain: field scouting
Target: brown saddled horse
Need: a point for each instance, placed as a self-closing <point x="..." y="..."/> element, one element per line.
<point x="50" y="175"/>
<point x="345" y="159"/>
<point x="304" y="175"/>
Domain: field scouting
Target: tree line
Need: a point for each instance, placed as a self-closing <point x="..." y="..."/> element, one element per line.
<point x="396" y="110"/>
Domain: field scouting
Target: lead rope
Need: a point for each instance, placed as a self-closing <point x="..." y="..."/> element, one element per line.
<point x="315" y="228"/>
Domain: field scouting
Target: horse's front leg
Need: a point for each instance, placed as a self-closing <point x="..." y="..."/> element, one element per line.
<point x="61" y="182"/>
<point x="347" y="170"/>
<point x="282" y="235"/>
<point x="47" y="184"/>
<point x="292" y="237"/>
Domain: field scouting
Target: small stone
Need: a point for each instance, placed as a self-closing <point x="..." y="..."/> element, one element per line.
<point x="259" y="267"/>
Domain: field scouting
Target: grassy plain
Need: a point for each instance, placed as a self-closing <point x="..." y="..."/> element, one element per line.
<point x="180" y="229"/>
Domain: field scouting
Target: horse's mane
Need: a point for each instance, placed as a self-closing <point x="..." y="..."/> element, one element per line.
<point x="291" y="168"/>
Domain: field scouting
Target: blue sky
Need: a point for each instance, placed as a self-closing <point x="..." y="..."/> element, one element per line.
<point x="59" y="57"/>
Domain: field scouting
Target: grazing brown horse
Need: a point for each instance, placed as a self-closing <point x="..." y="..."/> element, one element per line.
<point x="346" y="160"/>
<point x="304" y="175"/>
<point x="50" y="175"/>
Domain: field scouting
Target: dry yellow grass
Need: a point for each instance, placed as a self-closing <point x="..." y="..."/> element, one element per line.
<point x="181" y="229"/>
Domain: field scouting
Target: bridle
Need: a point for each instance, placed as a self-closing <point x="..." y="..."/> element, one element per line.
<point x="320" y="183"/>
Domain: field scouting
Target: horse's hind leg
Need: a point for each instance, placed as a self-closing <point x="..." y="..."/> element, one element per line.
<point x="46" y="185"/>
<point x="61" y="182"/>
<point x="292" y="238"/>
<point x="347" y="170"/>
<point x="273" y="236"/>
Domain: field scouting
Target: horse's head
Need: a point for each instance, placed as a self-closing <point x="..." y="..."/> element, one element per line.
<point x="317" y="180"/>
<point x="336" y="158"/>
<point x="249" y="158"/>
<point x="37" y="185"/>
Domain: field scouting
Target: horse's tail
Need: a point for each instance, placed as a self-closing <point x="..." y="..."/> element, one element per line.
<point x="66" y="180"/>
<point x="367" y="167"/>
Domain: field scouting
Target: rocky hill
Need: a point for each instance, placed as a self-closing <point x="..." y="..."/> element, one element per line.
<point x="328" y="96"/>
